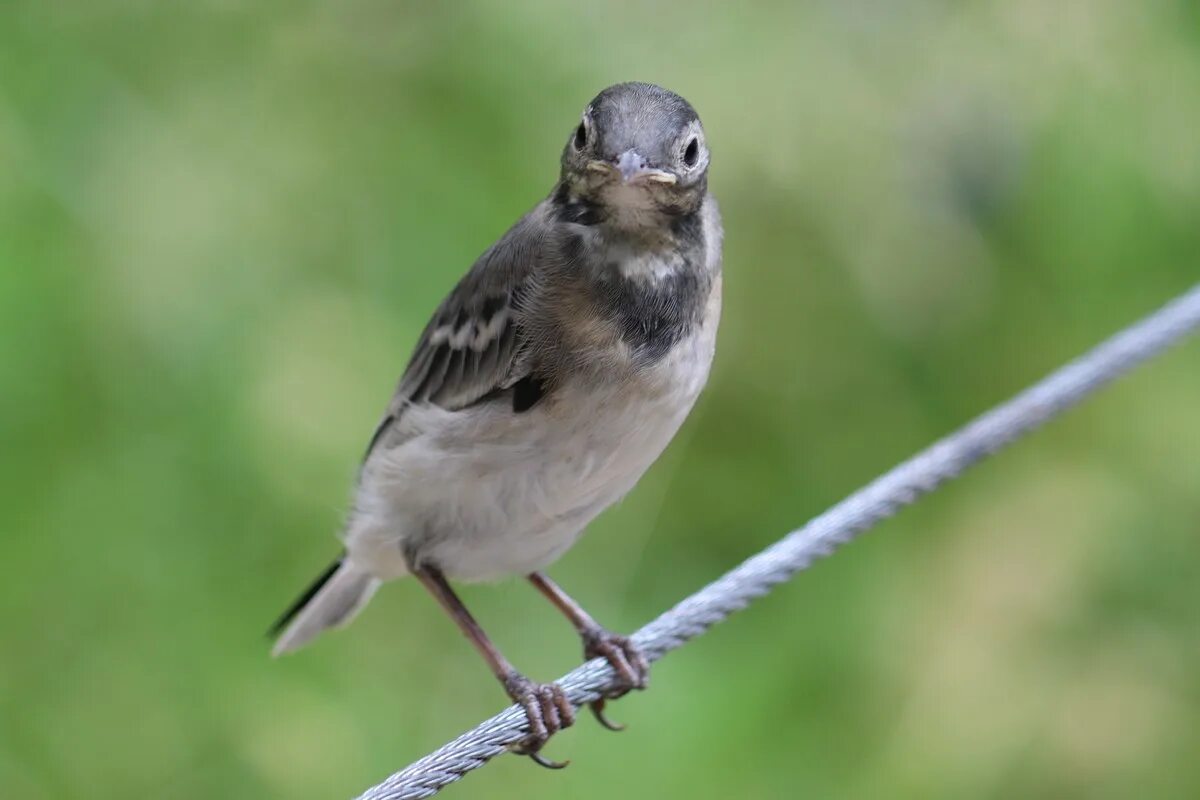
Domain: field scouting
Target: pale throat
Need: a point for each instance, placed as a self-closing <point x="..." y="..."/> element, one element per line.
<point x="644" y="254"/>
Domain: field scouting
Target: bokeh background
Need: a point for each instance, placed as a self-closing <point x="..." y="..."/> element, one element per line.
<point x="223" y="224"/>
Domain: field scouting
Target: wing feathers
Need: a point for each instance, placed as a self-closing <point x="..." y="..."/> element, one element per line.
<point x="474" y="346"/>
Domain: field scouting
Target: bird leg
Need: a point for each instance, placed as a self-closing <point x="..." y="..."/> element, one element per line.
<point x="546" y="706"/>
<point x="630" y="665"/>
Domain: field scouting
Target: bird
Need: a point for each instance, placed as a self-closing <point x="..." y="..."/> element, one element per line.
<point x="544" y="386"/>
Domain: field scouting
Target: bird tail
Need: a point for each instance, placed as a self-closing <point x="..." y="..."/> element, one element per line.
<point x="332" y="601"/>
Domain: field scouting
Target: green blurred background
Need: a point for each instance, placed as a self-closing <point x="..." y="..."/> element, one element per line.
<point x="223" y="224"/>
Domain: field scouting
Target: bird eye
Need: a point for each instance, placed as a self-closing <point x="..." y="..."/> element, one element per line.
<point x="580" y="136"/>
<point x="691" y="153"/>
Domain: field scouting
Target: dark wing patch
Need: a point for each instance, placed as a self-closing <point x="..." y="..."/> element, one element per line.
<point x="525" y="394"/>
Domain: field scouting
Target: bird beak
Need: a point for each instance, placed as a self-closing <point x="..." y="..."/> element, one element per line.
<point x="633" y="169"/>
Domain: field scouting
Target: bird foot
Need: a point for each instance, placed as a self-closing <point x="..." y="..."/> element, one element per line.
<point x="547" y="710"/>
<point x="632" y="668"/>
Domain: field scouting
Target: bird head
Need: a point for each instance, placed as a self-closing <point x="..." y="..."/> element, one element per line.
<point x="638" y="149"/>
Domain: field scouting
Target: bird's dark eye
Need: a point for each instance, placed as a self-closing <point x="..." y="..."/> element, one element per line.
<point x="580" y="136"/>
<point x="691" y="153"/>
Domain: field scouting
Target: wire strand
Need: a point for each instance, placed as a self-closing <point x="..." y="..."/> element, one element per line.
<point x="918" y="476"/>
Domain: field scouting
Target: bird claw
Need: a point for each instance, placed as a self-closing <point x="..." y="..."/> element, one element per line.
<point x="541" y="760"/>
<point x="547" y="711"/>
<point x="631" y="667"/>
<point x="597" y="708"/>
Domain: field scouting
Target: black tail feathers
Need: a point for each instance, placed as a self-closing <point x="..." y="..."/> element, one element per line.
<point x="302" y="600"/>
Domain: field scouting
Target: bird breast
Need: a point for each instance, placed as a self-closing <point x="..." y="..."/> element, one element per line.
<point x="484" y="493"/>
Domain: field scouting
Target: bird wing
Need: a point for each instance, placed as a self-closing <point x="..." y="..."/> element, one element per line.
<point x="474" y="345"/>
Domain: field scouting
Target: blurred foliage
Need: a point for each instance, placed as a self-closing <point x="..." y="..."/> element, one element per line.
<point x="223" y="224"/>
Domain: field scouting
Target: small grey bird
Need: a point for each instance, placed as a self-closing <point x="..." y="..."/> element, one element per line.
<point x="545" y="385"/>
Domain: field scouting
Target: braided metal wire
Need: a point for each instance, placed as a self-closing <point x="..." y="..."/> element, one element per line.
<point x="865" y="508"/>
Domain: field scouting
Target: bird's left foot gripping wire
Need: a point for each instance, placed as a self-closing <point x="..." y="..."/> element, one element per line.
<point x="632" y="668"/>
<point x="548" y="711"/>
<point x="547" y="708"/>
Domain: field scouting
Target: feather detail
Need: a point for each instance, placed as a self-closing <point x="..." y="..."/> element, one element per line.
<point x="473" y="346"/>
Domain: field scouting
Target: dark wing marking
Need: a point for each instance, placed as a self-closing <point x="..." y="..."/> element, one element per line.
<point x="526" y="393"/>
